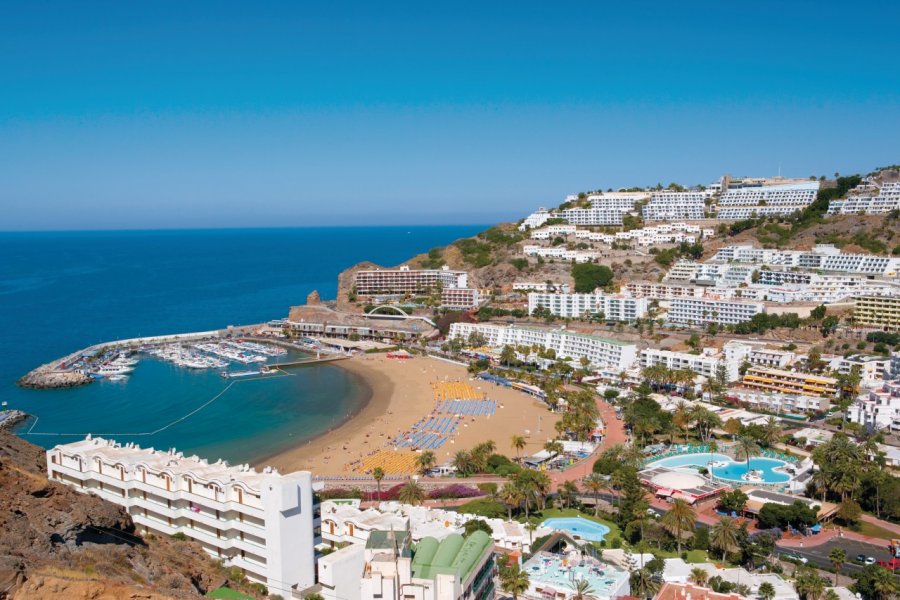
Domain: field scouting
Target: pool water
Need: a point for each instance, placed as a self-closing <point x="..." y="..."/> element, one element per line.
<point x="583" y="528"/>
<point x="547" y="569"/>
<point x="732" y="470"/>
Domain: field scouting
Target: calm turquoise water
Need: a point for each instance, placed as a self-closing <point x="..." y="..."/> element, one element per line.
<point x="63" y="291"/>
<point x="583" y="528"/>
<point x="732" y="471"/>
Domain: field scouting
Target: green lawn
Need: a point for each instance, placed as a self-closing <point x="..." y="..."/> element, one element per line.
<point x="224" y="593"/>
<point x="872" y="530"/>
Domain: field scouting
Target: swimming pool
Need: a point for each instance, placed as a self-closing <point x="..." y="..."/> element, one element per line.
<point x="730" y="470"/>
<point x="577" y="526"/>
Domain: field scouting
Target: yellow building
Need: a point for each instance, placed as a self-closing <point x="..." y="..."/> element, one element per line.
<point x="788" y="382"/>
<point x="882" y="312"/>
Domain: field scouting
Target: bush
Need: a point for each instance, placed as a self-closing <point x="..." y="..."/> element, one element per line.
<point x="589" y="276"/>
<point x="259" y="589"/>
<point x="455" y="490"/>
<point x="179" y="535"/>
<point x="615" y="543"/>
<point x="484" y="507"/>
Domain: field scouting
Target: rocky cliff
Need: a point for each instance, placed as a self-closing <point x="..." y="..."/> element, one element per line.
<point x="58" y="543"/>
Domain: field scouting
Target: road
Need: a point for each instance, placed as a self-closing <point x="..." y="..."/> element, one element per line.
<point x="818" y="555"/>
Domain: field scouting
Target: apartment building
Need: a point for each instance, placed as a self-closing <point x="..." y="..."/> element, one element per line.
<point x="823" y="257"/>
<point x="795" y="404"/>
<point x="745" y="202"/>
<point x="459" y="298"/>
<point x="886" y="200"/>
<point x="387" y="566"/>
<point x="668" y="206"/>
<point x="666" y="233"/>
<point x="661" y="291"/>
<point x="535" y="219"/>
<point x="878" y="409"/>
<point x="615" y="307"/>
<point x="877" y="311"/>
<point x="790" y="382"/>
<point x="871" y="369"/>
<point x="703" y="311"/>
<point x="543" y="286"/>
<point x="260" y="522"/>
<point x="552" y="231"/>
<point x="600" y="352"/>
<point x="407" y="281"/>
<point x="593" y="216"/>
<point x="704" y="364"/>
<point x="560" y="253"/>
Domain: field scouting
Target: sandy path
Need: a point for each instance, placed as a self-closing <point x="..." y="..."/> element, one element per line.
<point x="401" y="395"/>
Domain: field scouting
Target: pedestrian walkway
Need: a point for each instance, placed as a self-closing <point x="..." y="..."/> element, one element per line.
<point x="614" y="434"/>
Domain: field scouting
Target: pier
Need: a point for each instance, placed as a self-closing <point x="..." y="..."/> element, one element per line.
<point x="307" y="362"/>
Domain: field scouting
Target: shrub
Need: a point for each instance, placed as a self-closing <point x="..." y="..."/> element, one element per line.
<point x="484" y="507"/>
<point x="455" y="490"/>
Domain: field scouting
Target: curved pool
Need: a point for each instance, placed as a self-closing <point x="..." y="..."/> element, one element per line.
<point x="731" y="470"/>
<point x="577" y="526"/>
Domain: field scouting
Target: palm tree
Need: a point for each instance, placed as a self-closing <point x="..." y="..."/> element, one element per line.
<point x="644" y="584"/>
<point x="724" y="536"/>
<point x="698" y="576"/>
<point x="838" y="557"/>
<point x="884" y="584"/>
<point x="530" y="526"/>
<point x="583" y="590"/>
<point x="511" y="496"/>
<point x="772" y="431"/>
<point x="518" y="443"/>
<point x="766" y="591"/>
<point x="514" y="580"/>
<point x="832" y="595"/>
<point x="567" y="491"/>
<point x="595" y="484"/>
<point x="378" y="475"/>
<point x="464" y="464"/>
<point x="679" y="521"/>
<point x="425" y="462"/>
<point x="809" y="585"/>
<point x="411" y="493"/>
<point x="554" y="447"/>
<point x="746" y="448"/>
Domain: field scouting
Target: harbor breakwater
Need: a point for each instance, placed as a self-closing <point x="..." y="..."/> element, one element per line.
<point x="69" y="371"/>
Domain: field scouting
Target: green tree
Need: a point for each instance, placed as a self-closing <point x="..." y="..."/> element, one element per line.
<point x="513" y="580"/>
<point x="679" y="521"/>
<point x="595" y="484"/>
<point x="477" y="525"/>
<point x="425" y="461"/>
<point x="766" y="591"/>
<point x="698" y="576"/>
<point x="411" y="493"/>
<point x="583" y="590"/>
<point x="746" y="448"/>
<point x="725" y="536"/>
<point x="518" y="443"/>
<point x="590" y="276"/>
<point x="838" y="557"/>
<point x="378" y="475"/>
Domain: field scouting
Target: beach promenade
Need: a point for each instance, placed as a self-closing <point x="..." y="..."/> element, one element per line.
<point x="614" y="434"/>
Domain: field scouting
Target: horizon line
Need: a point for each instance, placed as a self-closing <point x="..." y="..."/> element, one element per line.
<point x="240" y="228"/>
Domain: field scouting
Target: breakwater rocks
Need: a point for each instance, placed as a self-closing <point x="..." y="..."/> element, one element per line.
<point x="45" y="378"/>
<point x="8" y="418"/>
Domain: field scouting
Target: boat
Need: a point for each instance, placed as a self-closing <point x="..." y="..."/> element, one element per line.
<point x="118" y="377"/>
<point x="234" y="374"/>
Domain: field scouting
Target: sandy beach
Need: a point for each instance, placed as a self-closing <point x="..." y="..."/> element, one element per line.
<point x="401" y="394"/>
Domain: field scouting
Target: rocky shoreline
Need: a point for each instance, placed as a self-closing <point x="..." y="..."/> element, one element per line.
<point x="49" y="378"/>
<point x="10" y="418"/>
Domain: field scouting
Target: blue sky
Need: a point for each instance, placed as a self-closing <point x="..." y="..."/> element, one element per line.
<point x="224" y="114"/>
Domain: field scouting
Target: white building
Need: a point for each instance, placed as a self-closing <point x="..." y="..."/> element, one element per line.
<point x="886" y="200"/>
<point x="560" y="253"/>
<point x="664" y="233"/>
<point x="552" y="231"/>
<point x="387" y="566"/>
<point x="593" y="216"/>
<point x="542" y="286"/>
<point x="774" y="402"/>
<point x="404" y="280"/>
<point x="702" y="311"/>
<point x="601" y="352"/>
<point x="459" y="298"/>
<point x="535" y="219"/>
<point x="783" y="199"/>
<point x="669" y="206"/>
<point x="705" y="363"/>
<point x="872" y="369"/>
<point x="262" y="523"/>
<point x="662" y="291"/>
<point x="615" y="307"/>
<point x="823" y="257"/>
<point x="879" y="409"/>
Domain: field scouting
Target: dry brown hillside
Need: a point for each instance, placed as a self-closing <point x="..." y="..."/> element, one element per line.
<point x="58" y="543"/>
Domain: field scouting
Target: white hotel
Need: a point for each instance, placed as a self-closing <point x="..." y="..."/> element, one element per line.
<point x="823" y="257"/>
<point x="560" y="253"/>
<point x="887" y="200"/>
<point x="614" y="307"/>
<point x="535" y="219"/>
<point x="407" y="281"/>
<point x="668" y="206"/>
<point x="601" y="352"/>
<point x="551" y="231"/>
<point x="543" y="286"/>
<point x="879" y="409"/>
<point x="702" y="311"/>
<point x="593" y="216"/>
<point x="703" y="364"/>
<point x="262" y="523"/>
<point x="783" y="199"/>
<point x="662" y="291"/>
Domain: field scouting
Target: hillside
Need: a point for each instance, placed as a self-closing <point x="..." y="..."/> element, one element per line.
<point x="58" y="543"/>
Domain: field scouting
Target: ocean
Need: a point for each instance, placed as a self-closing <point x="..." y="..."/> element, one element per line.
<point x="63" y="291"/>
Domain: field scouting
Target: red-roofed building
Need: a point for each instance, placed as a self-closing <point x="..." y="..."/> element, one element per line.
<point x="686" y="591"/>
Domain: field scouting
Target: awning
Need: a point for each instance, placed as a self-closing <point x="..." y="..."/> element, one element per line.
<point x="664" y="492"/>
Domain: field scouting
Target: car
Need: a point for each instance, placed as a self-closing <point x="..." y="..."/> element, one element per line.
<point x="861" y="558"/>
<point x="892" y="564"/>
<point x="870" y="560"/>
<point x="795" y="558"/>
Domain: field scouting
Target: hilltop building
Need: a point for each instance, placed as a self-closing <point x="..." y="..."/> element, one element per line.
<point x="615" y="307"/>
<point x="262" y="523"/>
